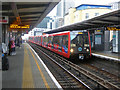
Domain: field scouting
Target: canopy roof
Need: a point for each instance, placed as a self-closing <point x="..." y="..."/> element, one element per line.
<point x="27" y="12"/>
<point x="105" y="20"/>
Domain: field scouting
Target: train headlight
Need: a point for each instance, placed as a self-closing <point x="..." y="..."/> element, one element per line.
<point x="87" y="50"/>
<point x="71" y="50"/>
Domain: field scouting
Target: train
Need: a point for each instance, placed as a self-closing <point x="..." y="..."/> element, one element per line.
<point x="69" y="44"/>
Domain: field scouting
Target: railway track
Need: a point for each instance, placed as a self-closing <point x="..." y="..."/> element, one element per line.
<point x="64" y="77"/>
<point x="108" y="66"/>
<point x="90" y="79"/>
<point x="114" y="79"/>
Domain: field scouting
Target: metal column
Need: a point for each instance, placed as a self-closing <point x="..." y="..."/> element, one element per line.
<point x="0" y="48"/>
<point x="107" y="41"/>
<point x="118" y="41"/>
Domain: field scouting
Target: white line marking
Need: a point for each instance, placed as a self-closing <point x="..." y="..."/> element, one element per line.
<point x="50" y="74"/>
<point x="106" y="57"/>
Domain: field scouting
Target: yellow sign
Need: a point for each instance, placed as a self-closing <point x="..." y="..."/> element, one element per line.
<point x="14" y="26"/>
<point x="113" y="28"/>
<point x="98" y="30"/>
<point x="80" y="33"/>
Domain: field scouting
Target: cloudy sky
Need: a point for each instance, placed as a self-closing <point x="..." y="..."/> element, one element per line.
<point x="100" y="2"/>
<point x="78" y="2"/>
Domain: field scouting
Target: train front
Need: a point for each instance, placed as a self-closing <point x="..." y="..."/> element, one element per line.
<point x="80" y="47"/>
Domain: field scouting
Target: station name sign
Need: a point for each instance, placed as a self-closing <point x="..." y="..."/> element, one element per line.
<point x="15" y="26"/>
<point x="113" y="28"/>
<point x="4" y="19"/>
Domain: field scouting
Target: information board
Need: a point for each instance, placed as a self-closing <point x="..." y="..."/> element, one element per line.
<point x="97" y="39"/>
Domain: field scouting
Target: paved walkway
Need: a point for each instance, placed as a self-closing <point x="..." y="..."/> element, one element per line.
<point x="107" y="54"/>
<point x="27" y="71"/>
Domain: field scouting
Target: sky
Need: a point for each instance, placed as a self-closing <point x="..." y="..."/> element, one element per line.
<point x="78" y="2"/>
<point x="100" y="2"/>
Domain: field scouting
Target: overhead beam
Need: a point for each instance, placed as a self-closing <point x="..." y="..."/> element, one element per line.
<point x="6" y="14"/>
<point x="110" y="21"/>
<point x="29" y="17"/>
<point x="6" y="7"/>
<point x="31" y="6"/>
<point x="15" y="11"/>
<point x="27" y="13"/>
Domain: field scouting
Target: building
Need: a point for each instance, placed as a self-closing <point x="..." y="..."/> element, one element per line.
<point x="44" y="22"/>
<point x="84" y="12"/>
<point x="56" y="22"/>
<point x="62" y="9"/>
<point x="115" y="5"/>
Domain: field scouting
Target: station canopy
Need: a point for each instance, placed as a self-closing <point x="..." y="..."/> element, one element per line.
<point x="105" y="20"/>
<point x="27" y="12"/>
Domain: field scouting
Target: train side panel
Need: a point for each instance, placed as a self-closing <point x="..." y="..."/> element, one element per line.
<point x="58" y="43"/>
<point x="67" y="44"/>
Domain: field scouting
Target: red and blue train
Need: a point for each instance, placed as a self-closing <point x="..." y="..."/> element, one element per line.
<point x="70" y="44"/>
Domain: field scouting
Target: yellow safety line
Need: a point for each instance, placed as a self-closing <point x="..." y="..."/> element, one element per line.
<point x="45" y="82"/>
<point x="27" y="73"/>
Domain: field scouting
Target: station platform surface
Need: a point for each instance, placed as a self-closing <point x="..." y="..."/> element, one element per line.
<point x="27" y="70"/>
<point x="107" y="55"/>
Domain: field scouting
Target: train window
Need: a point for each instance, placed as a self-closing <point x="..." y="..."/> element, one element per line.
<point x="50" y="39"/>
<point x="60" y="41"/>
<point x="79" y="40"/>
<point x="34" y="39"/>
<point x="55" y="40"/>
<point x="46" y="40"/>
<point x="86" y="41"/>
<point x="73" y="41"/>
<point x="65" y="41"/>
<point x="43" y="39"/>
<point x="39" y="40"/>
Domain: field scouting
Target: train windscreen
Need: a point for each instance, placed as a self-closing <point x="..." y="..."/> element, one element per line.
<point x="79" y="39"/>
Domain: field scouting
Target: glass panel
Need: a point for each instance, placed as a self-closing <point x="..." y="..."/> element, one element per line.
<point x="65" y="43"/>
<point x="79" y="40"/>
<point x="50" y="38"/>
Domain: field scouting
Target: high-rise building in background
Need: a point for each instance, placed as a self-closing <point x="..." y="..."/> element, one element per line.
<point x="115" y="5"/>
<point x="62" y="9"/>
<point x="44" y="22"/>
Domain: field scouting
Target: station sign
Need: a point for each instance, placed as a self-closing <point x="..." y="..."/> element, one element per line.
<point x="15" y="26"/>
<point x="4" y="19"/>
<point x="113" y="28"/>
<point x="98" y="32"/>
<point x="80" y="32"/>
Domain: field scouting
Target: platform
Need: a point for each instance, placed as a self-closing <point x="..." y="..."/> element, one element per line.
<point x="27" y="70"/>
<point x="107" y="55"/>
